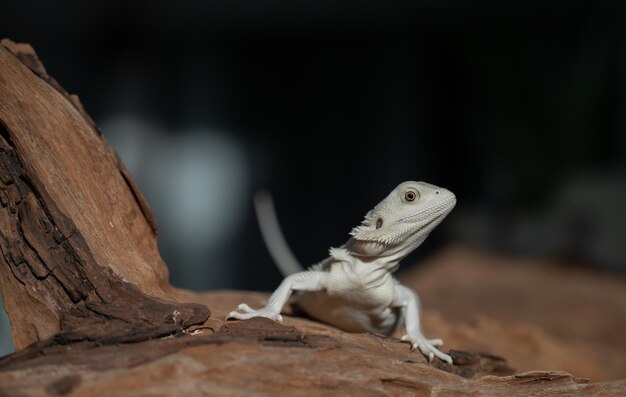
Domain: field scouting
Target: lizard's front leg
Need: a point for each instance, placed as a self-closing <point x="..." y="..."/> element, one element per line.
<point x="303" y="281"/>
<point x="408" y="302"/>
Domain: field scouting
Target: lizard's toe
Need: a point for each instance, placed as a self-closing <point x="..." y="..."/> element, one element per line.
<point x="241" y="316"/>
<point x="444" y="357"/>
<point x="436" y="342"/>
<point x="249" y="313"/>
<point x="245" y="308"/>
<point x="233" y="314"/>
<point x="431" y="351"/>
<point x="434" y="352"/>
<point x="407" y="338"/>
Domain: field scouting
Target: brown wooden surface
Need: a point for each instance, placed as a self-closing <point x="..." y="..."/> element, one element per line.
<point x="260" y="357"/>
<point x="93" y="314"/>
<point x="535" y="313"/>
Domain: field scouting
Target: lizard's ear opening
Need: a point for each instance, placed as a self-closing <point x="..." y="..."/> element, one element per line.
<point x="366" y="230"/>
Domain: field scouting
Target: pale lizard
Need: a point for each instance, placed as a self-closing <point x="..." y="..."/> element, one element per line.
<point x="353" y="289"/>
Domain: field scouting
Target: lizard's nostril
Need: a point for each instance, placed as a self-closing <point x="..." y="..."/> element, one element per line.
<point x="379" y="223"/>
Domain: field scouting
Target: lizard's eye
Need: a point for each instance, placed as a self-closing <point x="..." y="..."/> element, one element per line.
<point x="379" y="223"/>
<point x="410" y="196"/>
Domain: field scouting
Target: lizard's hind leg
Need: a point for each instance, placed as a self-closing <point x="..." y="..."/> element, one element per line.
<point x="303" y="281"/>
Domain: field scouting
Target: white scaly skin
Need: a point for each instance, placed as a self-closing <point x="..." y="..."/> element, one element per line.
<point x="353" y="289"/>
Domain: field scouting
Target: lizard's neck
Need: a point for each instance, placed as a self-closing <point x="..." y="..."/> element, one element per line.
<point x="389" y="255"/>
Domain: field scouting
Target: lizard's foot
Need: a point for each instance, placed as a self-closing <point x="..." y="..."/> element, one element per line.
<point x="245" y="312"/>
<point x="428" y="347"/>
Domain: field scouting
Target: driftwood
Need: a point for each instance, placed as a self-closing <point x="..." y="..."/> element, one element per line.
<point x="92" y="312"/>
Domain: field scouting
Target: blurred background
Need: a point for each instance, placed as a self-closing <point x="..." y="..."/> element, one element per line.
<point x="517" y="107"/>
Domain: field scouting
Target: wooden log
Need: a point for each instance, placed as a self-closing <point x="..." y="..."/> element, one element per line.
<point x="79" y="258"/>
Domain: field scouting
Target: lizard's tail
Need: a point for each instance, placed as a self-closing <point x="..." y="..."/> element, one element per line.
<point x="273" y="236"/>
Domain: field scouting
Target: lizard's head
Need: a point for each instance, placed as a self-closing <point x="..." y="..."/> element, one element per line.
<point x="404" y="217"/>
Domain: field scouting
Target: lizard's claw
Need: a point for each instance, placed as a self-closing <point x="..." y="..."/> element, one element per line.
<point x="436" y="342"/>
<point x="427" y="347"/>
<point x="245" y="312"/>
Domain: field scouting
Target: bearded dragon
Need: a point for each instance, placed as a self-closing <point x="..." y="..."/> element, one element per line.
<point x="353" y="289"/>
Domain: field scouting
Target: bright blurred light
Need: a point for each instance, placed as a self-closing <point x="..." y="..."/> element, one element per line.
<point x="196" y="181"/>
